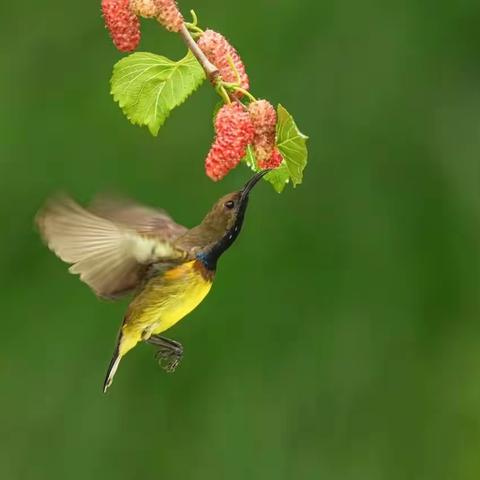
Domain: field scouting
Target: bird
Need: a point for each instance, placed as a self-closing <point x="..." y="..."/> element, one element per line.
<point x="120" y="247"/>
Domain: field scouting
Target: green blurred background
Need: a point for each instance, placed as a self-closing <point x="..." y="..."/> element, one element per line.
<point x="341" y="339"/>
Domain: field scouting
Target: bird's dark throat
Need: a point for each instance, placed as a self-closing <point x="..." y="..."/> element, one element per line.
<point x="210" y="256"/>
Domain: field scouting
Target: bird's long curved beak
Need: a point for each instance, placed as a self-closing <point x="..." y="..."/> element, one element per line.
<point x="252" y="182"/>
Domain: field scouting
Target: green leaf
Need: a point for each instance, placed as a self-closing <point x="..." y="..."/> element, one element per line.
<point x="278" y="177"/>
<point x="148" y="87"/>
<point x="292" y="145"/>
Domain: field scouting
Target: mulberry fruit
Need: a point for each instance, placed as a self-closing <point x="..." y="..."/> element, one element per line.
<point x="234" y="132"/>
<point x="273" y="161"/>
<point x="169" y="15"/>
<point x="122" y="24"/>
<point x="264" y="119"/>
<point x="217" y="49"/>
<point x="144" y="8"/>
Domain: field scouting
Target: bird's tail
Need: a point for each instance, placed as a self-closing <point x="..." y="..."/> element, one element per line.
<point x="112" y="369"/>
<point x="114" y="362"/>
<point x="127" y="339"/>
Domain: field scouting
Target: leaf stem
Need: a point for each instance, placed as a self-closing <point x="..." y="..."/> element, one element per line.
<point x="246" y="93"/>
<point x="193" y="29"/>
<point x="194" y="17"/>
<point x="234" y="68"/>
<point x="236" y="88"/>
<point x="221" y="90"/>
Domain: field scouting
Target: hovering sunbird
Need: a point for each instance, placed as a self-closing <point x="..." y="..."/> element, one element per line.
<point x="118" y="247"/>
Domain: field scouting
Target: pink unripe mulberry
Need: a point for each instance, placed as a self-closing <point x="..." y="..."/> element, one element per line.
<point x="264" y="119"/>
<point x="169" y="15"/>
<point x="234" y="132"/>
<point x="122" y="24"/>
<point x="144" y="8"/>
<point x="221" y="53"/>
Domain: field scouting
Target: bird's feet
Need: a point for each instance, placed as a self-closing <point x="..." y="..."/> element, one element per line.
<point x="169" y="352"/>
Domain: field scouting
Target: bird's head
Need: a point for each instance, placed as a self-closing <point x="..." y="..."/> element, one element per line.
<point x="221" y="226"/>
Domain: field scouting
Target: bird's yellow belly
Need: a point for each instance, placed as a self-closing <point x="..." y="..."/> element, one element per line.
<point x="186" y="301"/>
<point x="163" y="302"/>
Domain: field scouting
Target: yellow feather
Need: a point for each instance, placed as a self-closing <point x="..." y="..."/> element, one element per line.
<point x="163" y="302"/>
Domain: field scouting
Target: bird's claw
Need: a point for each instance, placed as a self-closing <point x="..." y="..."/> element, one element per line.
<point x="169" y="358"/>
<point x="169" y="352"/>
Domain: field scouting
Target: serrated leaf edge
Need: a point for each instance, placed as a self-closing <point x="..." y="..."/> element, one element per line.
<point x="281" y="111"/>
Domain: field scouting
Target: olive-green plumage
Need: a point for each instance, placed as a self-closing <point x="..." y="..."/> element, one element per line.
<point x="118" y="247"/>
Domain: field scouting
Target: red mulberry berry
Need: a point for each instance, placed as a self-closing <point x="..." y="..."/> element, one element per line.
<point x="264" y="119"/>
<point x="234" y="132"/>
<point x="273" y="161"/>
<point x="169" y="15"/>
<point x="221" y="53"/>
<point x="122" y="23"/>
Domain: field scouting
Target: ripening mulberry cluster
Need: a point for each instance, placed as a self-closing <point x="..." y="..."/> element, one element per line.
<point x="264" y="119"/>
<point x="121" y="19"/>
<point x="235" y="129"/>
<point x="122" y="24"/>
<point x="233" y="133"/>
<point x="217" y="49"/>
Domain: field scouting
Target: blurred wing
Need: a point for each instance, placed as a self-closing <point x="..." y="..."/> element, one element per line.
<point x="144" y="220"/>
<point x="110" y="257"/>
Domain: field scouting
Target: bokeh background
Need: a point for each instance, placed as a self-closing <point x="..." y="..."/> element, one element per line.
<point x="341" y="339"/>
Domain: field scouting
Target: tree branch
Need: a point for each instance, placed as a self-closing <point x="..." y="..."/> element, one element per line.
<point x="210" y="69"/>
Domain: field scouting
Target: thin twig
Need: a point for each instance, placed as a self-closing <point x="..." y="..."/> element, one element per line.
<point x="210" y="69"/>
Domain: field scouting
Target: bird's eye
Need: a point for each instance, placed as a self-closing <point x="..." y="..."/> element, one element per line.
<point x="230" y="204"/>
